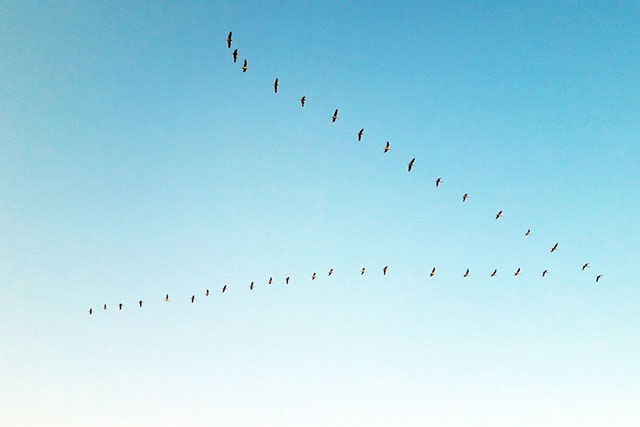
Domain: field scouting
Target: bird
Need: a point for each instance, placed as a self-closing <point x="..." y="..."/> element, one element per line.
<point x="104" y="306"/>
<point x="494" y="273"/>
<point x="166" y="298"/>
<point x="433" y="272"/>
<point x="224" y="288"/>
<point x="140" y="303"/>
<point x="360" y="132"/>
<point x="270" y="280"/>
<point x="335" y="116"/>
<point x="387" y="148"/>
<point x="235" y="56"/>
<point x="229" y="40"/>
<point x="206" y="294"/>
<point x="287" y="280"/>
<point x="586" y="265"/>
<point x="384" y="270"/>
<point x="411" y="163"/>
<point x="251" y="286"/>
<point x="364" y="270"/>
<point x="438" y="181"/>
<point x="554" y="247"/>
<point x="313" y="276"/>
<point x="544" y="273"/>
<point x="193" y="298"/>
<point x="330" y="272"/>
<point x="499" y="214"/>
<point x="90" y="311"/>
<point x="303" y="100"/>
<point x="275" y="85"/>
<point x="465" y="196"/>
<point x="528" y="232"/>
<point x="245" y="67"/>
<point x="598" y="277"/>
<point x="120" y="306"/>
<point x="466" y="273"/>
<point x="517" y="273"/>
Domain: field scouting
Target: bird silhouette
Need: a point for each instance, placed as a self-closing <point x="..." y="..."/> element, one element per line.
<point x="120" y="306"/>
<point x="364" y="270"/>
<point x="193" y="298"/>
<point x="235" y="56"/>
<point x="90" y="311"/>
<point x="554" y="247"/>
<point x="544" y="273"/>
<point x="140" y="303"/>
<point x="229" y="40"/>
<point x="384" y="270"/>
<point x="499" y="214"/>
<point x="104" y="306"/>
<point x="528" y="232"/>
<point x="411" y="164"/>
<point x="275" y="85"/>
<point x="433" y="272"/>
<point x="335" y="116"/>
<point x="287" y="280"/>
<point x="517" y="273"/>
<point x="330" y="272"/>
<point x="438" y="181"/>
<point x="245" y="66"/>
<point x="466" y="273"/>
<point x="313" y="276"/>
<point x="360" y="132"/>
<point x="251" y="286"/>
<point x="387" y="147"/>
<point x="494" y="273"/>
<point x="303" y="100"/>
<point x="270" y="280"/>
<point x="598" y="277"/>
<point x="465" y="196"/>
<point x="224" y="288"/>
<point x="166" y="298"/>
<point x="586" y="265"/>
<point x="206" y="294"/>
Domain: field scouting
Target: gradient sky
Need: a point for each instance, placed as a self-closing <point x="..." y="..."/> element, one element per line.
<point x="136" y="159"/>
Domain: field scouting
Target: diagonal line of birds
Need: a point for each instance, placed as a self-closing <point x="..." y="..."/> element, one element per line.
<point x="359" y="136"/>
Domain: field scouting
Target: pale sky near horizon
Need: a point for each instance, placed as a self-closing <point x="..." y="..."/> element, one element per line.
<point x="136" y="159"/>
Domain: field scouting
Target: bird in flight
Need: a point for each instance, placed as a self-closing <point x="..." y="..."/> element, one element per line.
<point x="104" y="306"/>
<point x="517" y="273"/>
<point x="120" y="306"/>
<point x="364" y="270"/>
<point x="275" y="85"/>
<point x="251" y="286"/>
<point x="245" y="66"/>
<point x="544" y="273"/>
<point x="499" y="214"/>
<point x="433" y="272"/>
<point x="330" y="272"/>
<point x="224" y="288"/>
<point x="287" y="280"/>
<point x="598" y="277"/>
<point x="528" y="232"/>
<point x="90" y="311"/>
<point x="554" y="247"/>
<point x="494" y="273"/>
<point x="229" y="40"/>
<point x="335" y="116"/>
<point x="586" y="265"/>
<point x="384" y="270"/>
<point x="438" y="181"/>
<point x="140" y="303"/>
<point x="313" y="276"/>
<point x="270" y="280"/>
<point x="387" y="148"/>
<point x="166" y="298"/>
<point x="193" y="298"/>
<point x="360" y="132"/>
<point x="206" y="294"/>
<point x="466" y="273"/>
<point x="235" y="56"/>
<point x="465" y="196"/>
<point x="411" y="163"/>
<point x="303" y="100"/>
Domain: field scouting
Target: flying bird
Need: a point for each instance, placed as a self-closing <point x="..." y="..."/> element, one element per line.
<point x="166" y="298"/>
<point x="287" y="280"/>
<point x="90" y="311"/>
<point x="387" y="148"/>
<point x="465" y="196"/>
<point x="270" y="280"/>
<point x="586" y="265"/>
<point x="224" y="288"/>
<point x="360" y="132"/>
<point x="193" y="298"/>
<point x="384" y="270"/>
<point x="120" y="306"/>
<point x="494" y="273"/>
<point x="554" y="247"/>
<point x="364" y="270"/>
<point x="335" y="116"/>
<point x="517" y="273"/>
<point x="235" y="56"/>
<point x="313" y="276"/>
<point x="433" y="272"/>
<point x="330" y="272"/>
<point x="275" y="85"/>
<point x="438" y="181"/>
<point x="528" y="232"/>
<point x="411" y="163"/>
<point x="598" y="277"/>
<point x="303" y="100"/>
<point x="229" y="40"/>
<point x="251" y="286"/>
<point x="104" y="306"/>
<point x="544" y="273"/>
<point x="466" y="273"/>
<point x="206" y="294"/>
<point x="140" y="303"/>
<point x="245" y="66"/>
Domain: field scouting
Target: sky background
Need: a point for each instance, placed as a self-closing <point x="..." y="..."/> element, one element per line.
<point x="136" y="159"/>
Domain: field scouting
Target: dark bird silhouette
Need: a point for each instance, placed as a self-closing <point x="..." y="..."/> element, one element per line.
<point x="528" y="232"/>
<point x="335" y="116"/>
<point x="330" y="272"/>
<point x="438" y="181"/>
<point x="275" y="85"/>
<point x="235" y="56"/>
<point x="193" y="298"/>
<point x="499" y="214"/>
<point x="120" y="306"/>
<point x="494" y="273"/>
<point x="387" y="147"/>
<point x="140" y="303"/>
<point x="303" y="100"/>
<point x="433" y="272"/>
<point x="251" y="286"/>
<point x="245" y="66"/>
<point x="586" y="265"/>
<point x="598" y="277"/>
<point x="104" y="306"/>
<point x="411" y="163"/>
<point x="364" y="270"/>
<point x="465" y="196"/>
<point x="270" y="280"/>
<point x="544" y="273"/>
<point x="384" y="270"/>
<point x="224" y="288"/>
<point x="313" y="276"/>
<point x="166" y="298"/>
<point x="206" y="294"/>
<point x="517" y="273"/>
<point x="466" y="273"/>
<point x="554" y="247"/>
<point x="287" y="280"/>
<point x="229" y="40"/>
<point x="90" y="311"/>
<point x="360" y="132"/>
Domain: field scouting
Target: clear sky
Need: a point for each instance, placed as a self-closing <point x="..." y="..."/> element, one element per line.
<point x="136" y="159"/>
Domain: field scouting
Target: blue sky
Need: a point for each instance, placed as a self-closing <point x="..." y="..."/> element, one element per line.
<point x="136" y="159"/>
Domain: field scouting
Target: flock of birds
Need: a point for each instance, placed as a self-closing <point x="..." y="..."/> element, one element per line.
<point x="245" y="66"/>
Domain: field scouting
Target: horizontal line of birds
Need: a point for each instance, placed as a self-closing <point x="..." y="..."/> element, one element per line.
<point x="385" y="269"/>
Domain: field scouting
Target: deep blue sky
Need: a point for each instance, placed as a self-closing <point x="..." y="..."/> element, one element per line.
<point x="137" y="159"/>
